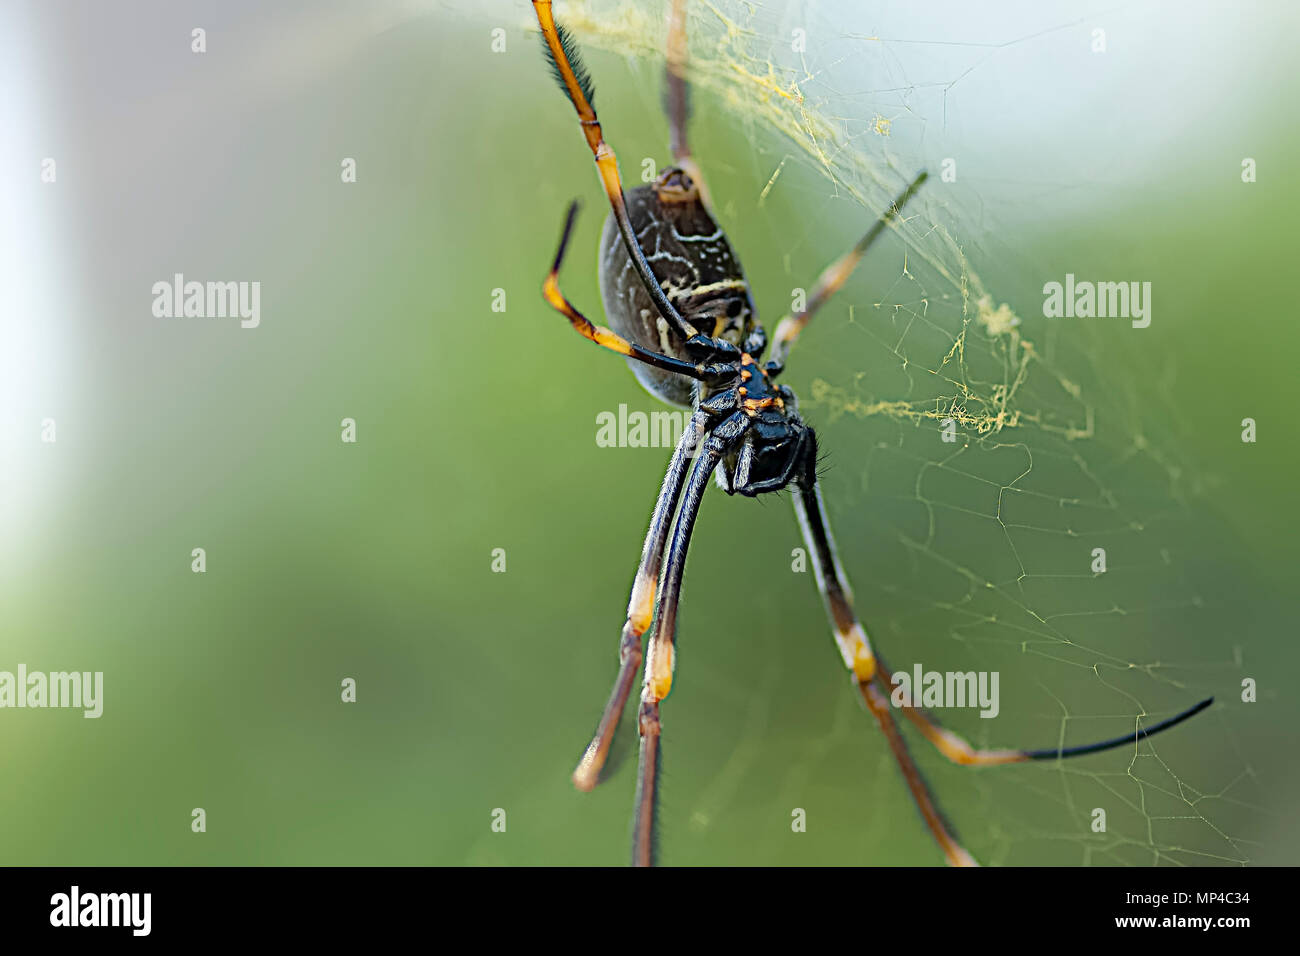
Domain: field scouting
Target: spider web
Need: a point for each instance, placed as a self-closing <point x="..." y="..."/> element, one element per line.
<point x="974" y="554"/>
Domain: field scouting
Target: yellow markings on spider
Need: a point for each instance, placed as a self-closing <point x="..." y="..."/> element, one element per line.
<point x="640" y="610"/>
<point x="659" y="670"/>
<point x="856" y="651"/>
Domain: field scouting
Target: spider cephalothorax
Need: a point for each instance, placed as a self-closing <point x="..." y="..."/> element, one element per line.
<point x="682" y="314"/>
<point x="776" y="441"/>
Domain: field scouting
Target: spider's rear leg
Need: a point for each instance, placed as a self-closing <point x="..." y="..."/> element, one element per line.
<point x="857" y="653"/>
<point x="677" y="102"/>
<point x="566" y="64"/>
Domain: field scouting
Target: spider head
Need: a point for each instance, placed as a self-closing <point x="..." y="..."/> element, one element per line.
<point x="771" y="456"/>
<point x="775" y="444"/>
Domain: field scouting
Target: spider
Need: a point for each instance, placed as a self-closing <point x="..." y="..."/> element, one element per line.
<point x="687" y="325"/>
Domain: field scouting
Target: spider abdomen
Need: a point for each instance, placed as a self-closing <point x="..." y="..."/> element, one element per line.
<point x="690" y="256"/>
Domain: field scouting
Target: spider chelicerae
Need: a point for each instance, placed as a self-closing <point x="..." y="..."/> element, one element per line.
<point x="686" y="322"/>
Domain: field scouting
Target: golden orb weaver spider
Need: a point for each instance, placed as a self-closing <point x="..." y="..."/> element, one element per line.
<point x="688" y="327"/>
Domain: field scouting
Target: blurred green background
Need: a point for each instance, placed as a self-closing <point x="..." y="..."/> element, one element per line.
<point x="478" y="690"/>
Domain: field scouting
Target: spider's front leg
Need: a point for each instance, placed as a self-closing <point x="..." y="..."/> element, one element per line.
<point x="874" y="679"/>
<point x="856" y="649"/>
<point x="659" y="657"/>
<point x="640" y="608"/>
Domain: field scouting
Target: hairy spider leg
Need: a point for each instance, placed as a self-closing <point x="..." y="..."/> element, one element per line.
<point x="876" y="688"/>
<point x="856" y="650"/>
<point x="835" y="275"/>
<point x="606" y="337"/>
<point x="572" y="75"/>
<point x="677" y="97"/>
<point x="640" y="607"/>
<point x="960" y="751"/>
<point x="660" y="654"/>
